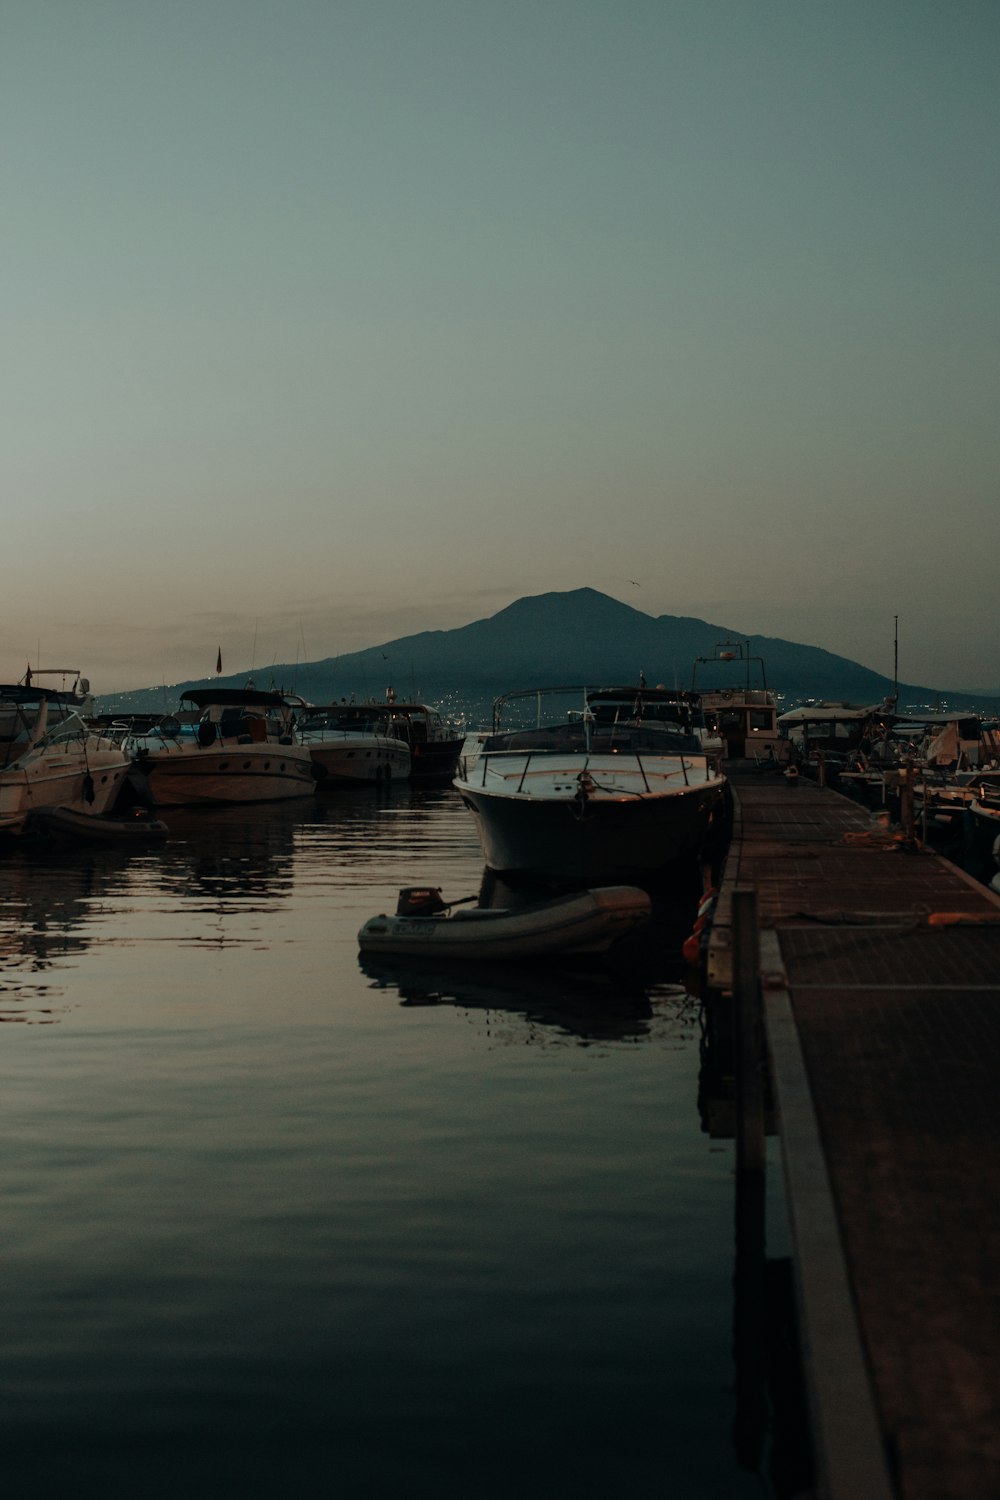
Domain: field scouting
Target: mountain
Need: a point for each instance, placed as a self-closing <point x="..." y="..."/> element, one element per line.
<point x="580" y="636"/>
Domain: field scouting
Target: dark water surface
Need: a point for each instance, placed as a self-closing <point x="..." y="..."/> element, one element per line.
<point x="275" y="1226"/>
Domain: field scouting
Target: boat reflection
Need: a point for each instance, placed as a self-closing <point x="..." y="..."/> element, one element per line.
<point x="48" y="909"/>
<point x="230" y="854"/>
<point x="377" y="825"/>
<point x="541" y="1002"/>
<point x="60" y="897"/>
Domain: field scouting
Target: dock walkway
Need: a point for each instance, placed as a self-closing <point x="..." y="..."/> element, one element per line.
<point x="880" y="973"/>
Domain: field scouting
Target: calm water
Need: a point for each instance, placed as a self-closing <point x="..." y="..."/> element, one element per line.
<point x="275" y="1226"/>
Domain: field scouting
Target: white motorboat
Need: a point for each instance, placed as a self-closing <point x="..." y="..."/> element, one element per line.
<point x="737" y="705"/>
<point x="351" y="745"/>
<point x="240" y="749"/>
<point x="49" y="757"/>
<point x="608" y="795"/>
<point x="586" y="922"/>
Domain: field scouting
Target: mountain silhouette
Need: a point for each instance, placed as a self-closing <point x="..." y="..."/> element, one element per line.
<point x="576" y="637"/>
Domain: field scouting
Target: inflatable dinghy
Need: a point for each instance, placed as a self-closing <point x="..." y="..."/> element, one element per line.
<point x="138" y="826"/>
<point x="584" y="922"/>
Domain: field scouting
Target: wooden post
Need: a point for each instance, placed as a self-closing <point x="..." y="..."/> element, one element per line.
<point x="748" y="1032"/>
<point x="906" y="817"/>
<point x="750" y="1306"/>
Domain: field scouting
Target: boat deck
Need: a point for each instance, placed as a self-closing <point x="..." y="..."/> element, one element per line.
<point x="880" y="971"/>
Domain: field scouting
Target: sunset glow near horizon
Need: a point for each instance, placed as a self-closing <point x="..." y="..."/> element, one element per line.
<point x="328" y="323"/>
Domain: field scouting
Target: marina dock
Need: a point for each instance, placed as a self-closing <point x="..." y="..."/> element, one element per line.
<point x="867" y="969"/>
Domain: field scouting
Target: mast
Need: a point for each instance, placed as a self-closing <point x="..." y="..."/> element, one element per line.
<point x="895" y="660"/>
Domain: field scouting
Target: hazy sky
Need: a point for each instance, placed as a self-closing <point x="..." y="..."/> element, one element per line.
<point x="328" y="321"/>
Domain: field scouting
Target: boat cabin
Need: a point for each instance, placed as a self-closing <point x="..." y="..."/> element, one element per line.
<point x="736" y="703"/>
<point x="952" y="741"/>
<point x="605" y="720"/>
<point x="29" y="710"/>
<point x="644" y="705"/>
<point x="834" y="733"/>
<point x="241" y="714"/>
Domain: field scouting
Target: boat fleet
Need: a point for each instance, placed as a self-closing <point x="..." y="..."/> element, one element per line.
<point x="583" y="798"/>
<point x="64" y="766"/>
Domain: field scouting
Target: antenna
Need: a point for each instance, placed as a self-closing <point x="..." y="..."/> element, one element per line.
<point x="895" y="660"/>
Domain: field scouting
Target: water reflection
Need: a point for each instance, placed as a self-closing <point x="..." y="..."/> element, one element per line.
<point x="59" y="896"/>
<point x="373" y="830"/>
<point x="424" y="1239"/>
<point x="577" y="1005"/>
<point x="231" y="855"/>
<point x="47" y="906"/>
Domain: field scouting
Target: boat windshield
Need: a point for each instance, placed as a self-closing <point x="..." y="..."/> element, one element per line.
<point x="343" y="723"/>
<point x="582" y="736"/>
<point x="71" y="727"/>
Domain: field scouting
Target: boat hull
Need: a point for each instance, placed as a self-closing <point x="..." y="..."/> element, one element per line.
<point x="84" y="776"/>
<point x="435" y="760"/>
<point x="588" y="922"/>
<point x="64" y="822"/>
<point x="595" y="821"/>
<point x="190" y="775"/>
<point x="351" y="760"/>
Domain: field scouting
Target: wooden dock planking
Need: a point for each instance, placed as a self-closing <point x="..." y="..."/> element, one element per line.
<point x="883" y="1025"/>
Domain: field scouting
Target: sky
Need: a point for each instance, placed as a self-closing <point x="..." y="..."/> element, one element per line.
<point x="329" y="321"/>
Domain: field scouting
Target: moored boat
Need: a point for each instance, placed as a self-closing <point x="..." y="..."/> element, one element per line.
<point x="602" y="797"/>
<point x="138" y="826"/>
<point x="241" y="749"/>
<point x="827" y="737"/>
<point x="587" y="921"/>
<point x="737" y="705"/>
<point x="352" y="745"/>
<point x="981" y="834"/>
<point x="435" y="745"/>
<point x="49" y="756"/>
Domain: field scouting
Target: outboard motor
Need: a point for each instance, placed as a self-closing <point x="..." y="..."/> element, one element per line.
<point x="420" y="901"/>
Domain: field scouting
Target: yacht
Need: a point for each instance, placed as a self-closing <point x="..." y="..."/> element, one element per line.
<point x="617" y="789"/>
<point x="237" y="745"/>
<point x="435" y="744"/>
<point x="737" y="705"/>
<point x="352" y="745"/>
<point x="51" y="757"/>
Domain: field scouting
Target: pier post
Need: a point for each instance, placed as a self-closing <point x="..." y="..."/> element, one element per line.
<point x="750" y="1290"/>
<point x="906" y="799"/>
<point x="748" y="1032"/>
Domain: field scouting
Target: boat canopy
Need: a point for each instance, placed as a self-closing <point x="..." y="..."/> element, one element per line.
<point x="18" y="692"/>
<point x="830" y="713"/>
<point x="234" y="698"/>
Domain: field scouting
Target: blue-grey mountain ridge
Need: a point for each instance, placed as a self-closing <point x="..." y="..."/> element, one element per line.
<point x="580" y="636"/>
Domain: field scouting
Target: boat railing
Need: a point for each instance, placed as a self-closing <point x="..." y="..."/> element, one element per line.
<point x="536" y="761"/>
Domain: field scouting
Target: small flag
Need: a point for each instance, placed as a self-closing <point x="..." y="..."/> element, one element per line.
<point x="218" y="661"/>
